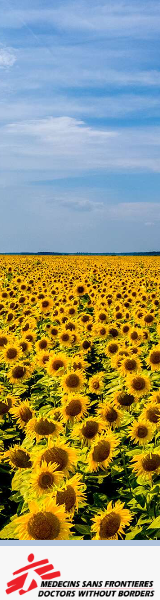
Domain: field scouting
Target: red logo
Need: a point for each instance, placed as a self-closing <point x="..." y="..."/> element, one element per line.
<point x="42" y="568"/>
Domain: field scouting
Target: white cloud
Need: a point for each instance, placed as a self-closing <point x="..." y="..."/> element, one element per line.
<point x="119" y="18"/>
<point x="7" y="58"/>
<point x="65" y="145"/>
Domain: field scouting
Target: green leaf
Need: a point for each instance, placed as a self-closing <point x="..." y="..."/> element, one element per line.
<point x="84" y="529"/>
<point x="155" y="524"/>
<point x="133" y="533"/>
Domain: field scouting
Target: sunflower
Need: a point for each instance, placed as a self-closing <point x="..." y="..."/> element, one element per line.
<point x="65" y="338"/>
<point x="44" y="478"/>
<point x="123" y="399"/>
<point x="46" y="305"/>
<point x="53" y="332"/>
<point x="17" y="457"/>
<point x="112" y="349"/>
<point x="72" y="381"/>
<point x="74" y="407"/>
<point x="6" y="404"/>
<point x="113" y="331"/>
<point x="110" y="415"/>
<point x="135" y="336"/>
<point x="153" y="359"/>
<point x="57" y="364"/>
<point x="42" y="358"/>
<point x="139" y="384"/>
<point x="78" y="363"/>
<point x="141" y="432"/>
<point x="100" y="331"/>
<point x="42" y="427"/>
<point x="96" y="385"/>
<point x="151" y="412"/>
<point x="130" y="365"/>
<point x="19" y="372"/>
<point x="71" y="494"/>
<point x="23" y="412"/>
<point x="80" y="289"/>
<point x="118" y="358"/>
<point x="148" y="319"/>
<point x="25" y="346"/>
<point x="147" y="464"/>
<point x="3" y="339"/>
<point x="86" y="345"/>
<point x="43" y="522"/>
<point x="12" y="352"/>
<point x="102" y="451"/>
<point x="88" y="430"/>
<point x="42" y="344"/>
<point x="60" y="453"/>
<point x="109" y="524"/>
<point x="155" y="397"/>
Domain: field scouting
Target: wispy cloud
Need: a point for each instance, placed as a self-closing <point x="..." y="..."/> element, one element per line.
<point x="7" y="57"/>
<point x="120" y="18"/>
<point x="66" y="145"/>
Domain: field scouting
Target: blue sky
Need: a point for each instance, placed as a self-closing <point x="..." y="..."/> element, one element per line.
<point x="79" y="125"/>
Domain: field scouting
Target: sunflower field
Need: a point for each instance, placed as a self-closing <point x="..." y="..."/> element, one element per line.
<point x="80" y="397"/>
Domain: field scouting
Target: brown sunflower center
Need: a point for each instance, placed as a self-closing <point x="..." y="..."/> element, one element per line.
<point x="67" y="497"/>
<point x="24" y="346"/>
<point x="11" y="353"/>
<point x="125" y="329"/>
<point x="20" y="458"/>
<point x="77" y="365"/>
<point x="56" y="455"/>
<point x="134" y="335"/>
<point x="96" y="385"/>
<point x="138" y="384"/>
<point x="125" y="399"/>
<point x="130" y="364"/>
<point x="44" y="526"/>
<point x="18" y="372"/>
<point x="57" y="364"/>
<point x="72" y="381"/>
<point x="153" y="414"/>
<point x="5" y="406"/>
<point x="44" y="427"/>
<point x="113" y="348"/>
<point x="65" y="337"/>
<point x="142" y="431"/>
<point x="45" y="304"/>
<point x="86" y="344"/>
<point x="90" y="429"/>
<point x="151" y="462"/>
<point x="43" y="344"/>
<point x="155" y="357"/>
<point x="80" y="289"/>
<point x="102" y="317"/>
<point x="111" y="415"/>
<point x="54" y="331"/>
<point x="102" y="451"/>
<point x="74" y="408"/>
<point x="148" y="319"/>
<point x="102" y="331"/>
<point x="25" y="413"/>
<point x="113" y="332"/>
<point x="109" y="525"/>
<point x="3" y="341"/>
<point x="45" y="480"/>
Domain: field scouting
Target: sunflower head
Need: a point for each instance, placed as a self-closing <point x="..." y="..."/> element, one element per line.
<point x="110" y="523"/>
<point x="71" y="494"/>
<point x="102" y="451"/>
<point x="43" y="427"/>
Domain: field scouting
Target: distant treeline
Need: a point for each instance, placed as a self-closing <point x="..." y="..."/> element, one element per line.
<point x="154" y="253"/>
